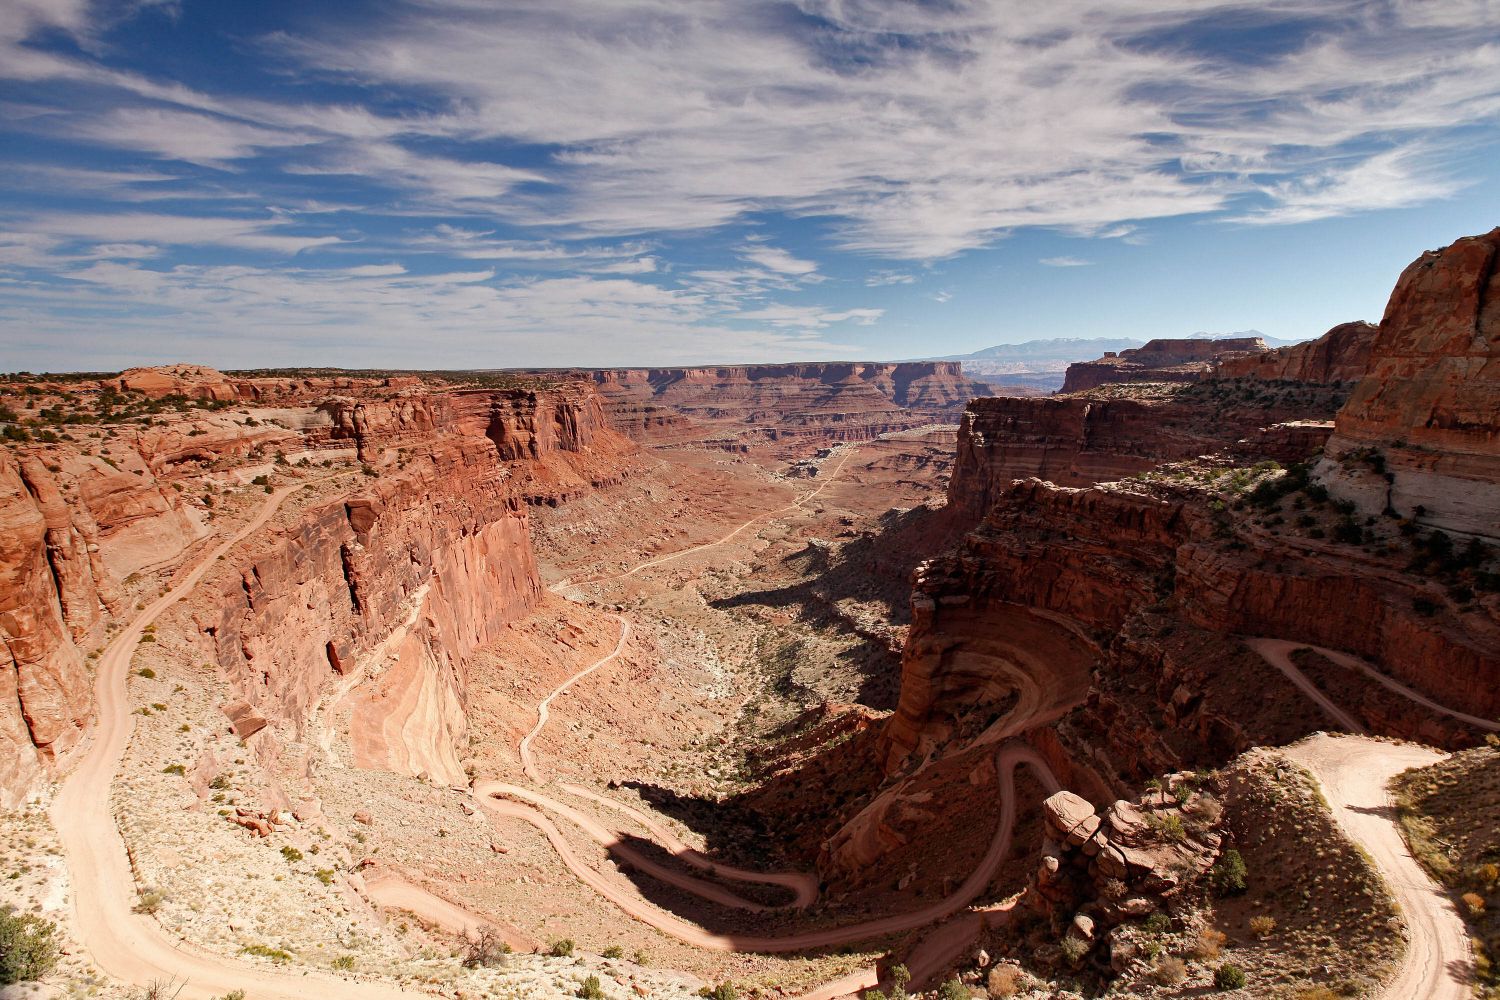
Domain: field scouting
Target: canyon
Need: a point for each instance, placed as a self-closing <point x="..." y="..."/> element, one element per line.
<point x="781" y="676"/>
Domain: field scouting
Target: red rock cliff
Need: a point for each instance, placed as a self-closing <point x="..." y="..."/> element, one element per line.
<point x="1163" y="360"/>
<point x="1340" y="355"/>
<point x="1421" y="432"/>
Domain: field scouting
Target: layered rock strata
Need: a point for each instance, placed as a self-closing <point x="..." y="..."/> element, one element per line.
<point x="1162" y="360"/>
<point x="821" y="403"/>
<point x="1421" y="433"/>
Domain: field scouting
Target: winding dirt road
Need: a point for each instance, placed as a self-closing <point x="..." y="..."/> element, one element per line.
<point x="1277" y="652"/>
<point x="125" y="945"/>
<point x="1356" y="773"/>
<point x="543" y="710"/>
<point x="628" y="900"/>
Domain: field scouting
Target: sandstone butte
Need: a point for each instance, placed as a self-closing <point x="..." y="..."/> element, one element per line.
<point x="1201" y="548"/>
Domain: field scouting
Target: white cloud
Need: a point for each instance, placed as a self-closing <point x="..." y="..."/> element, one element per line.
<point x="778" y="260"/>
<point x="1065" y="262"/>
<point x="875" y="279"/>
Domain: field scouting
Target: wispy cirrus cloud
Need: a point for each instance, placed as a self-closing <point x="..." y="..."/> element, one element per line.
<point x="636" y="150"/>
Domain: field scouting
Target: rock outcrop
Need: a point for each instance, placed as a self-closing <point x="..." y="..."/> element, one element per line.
<point x="192" y="381"/>
<point x="47" y="599"/>
<point x="1163" y="360"/>
<point x="1100" y="869"/>
<point x="1340" y="355"/>
<point x="1420" y="434"/>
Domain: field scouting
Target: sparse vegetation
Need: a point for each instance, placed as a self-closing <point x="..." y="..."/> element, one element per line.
<point x="485" y="948"/>
<point x="1229" y="977"/>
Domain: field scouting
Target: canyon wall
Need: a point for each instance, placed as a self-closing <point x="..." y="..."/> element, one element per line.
<point x="1085" y="439"/>
<point x="1340" y="355"/>
<point x="1420" y="433"/>
<point x="817" y="402"/>
<point x="394" y="586"/>
<point x="557" y="442"/>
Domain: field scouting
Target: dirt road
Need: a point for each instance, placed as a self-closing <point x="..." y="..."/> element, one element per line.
<point x="1355" y="773"/>
<point x="1277" y="652"/>
<point x="543" y="709"/>
<point x="131" y="947"/>
<point x="630" y="902"/>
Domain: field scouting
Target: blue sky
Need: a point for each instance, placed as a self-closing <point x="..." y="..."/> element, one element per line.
<point x="488" y="183"/>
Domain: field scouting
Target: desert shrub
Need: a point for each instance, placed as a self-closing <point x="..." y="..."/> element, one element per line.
<point x="484" y="948"/>
<point x="900" y="980"/>
<point x="234" y="995"/>
<point x="176" y="769"/>
<point x="344" y="963"/>
<point x="1005" y="981"/>
<point x="276" y="955"/>
<point x="1228" y="873"/>
<point x="150" y="901"/>
<point x="614" y="951"/>
<point x="324" y="875"/>
<point x="1229" y="977"/>
<point x="1158" y="923"/>
<point x="28" y="947"/>
<point x="641" y="956"/>
<point x="1210" y="942"/>
<point x="291" y="854"/>
<point x="952" y="989"/>
<point x="1073" y="949"/>
<point x="561" y="948"/>
<point x="1168" y="971"/>
<point x="591" y="989"/>
<point x="723" y="991"/>
<point x="1170" y="827"/>
<point x="1262" y="926"/>
<point x="146" y="672"/>
<point x="1474" y="903"/>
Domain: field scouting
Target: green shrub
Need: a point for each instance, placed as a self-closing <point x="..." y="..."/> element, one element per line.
<point x="344" y="963"/>
<point x="952" y="989"/>
<point x="1158" y="923"/>
<point x="176" y="769"/>
<point x="561" y="948"/>
<point x="291" y="854"/>
<point x="28" y="947"/>
<point x="723" y="991"/>
<point x="614" y="951"/>
<point x="146" y="672"/>
<point x="591" y="989"/>
<point x="1228" y="873"/>
<point x="1229" y="977"/>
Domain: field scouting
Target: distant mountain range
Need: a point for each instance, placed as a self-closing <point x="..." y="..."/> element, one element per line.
<point x="1040" y="357"/>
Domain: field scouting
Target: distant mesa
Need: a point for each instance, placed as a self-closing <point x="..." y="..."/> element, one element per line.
<point x="1162" y="360"/>
<point x="193" y="381"/>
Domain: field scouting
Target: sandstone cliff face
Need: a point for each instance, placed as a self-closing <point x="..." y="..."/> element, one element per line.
<point x="47" y="599"/>
<point x="556" y="442"/>
<point x="1163" y="360"/>
<point x="1082" y="440"/>
<point x="816" y="403"/>
<point x="402" y="583"/>
<point x="1340" y="355"/>
<point x="1420" y="433"/>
